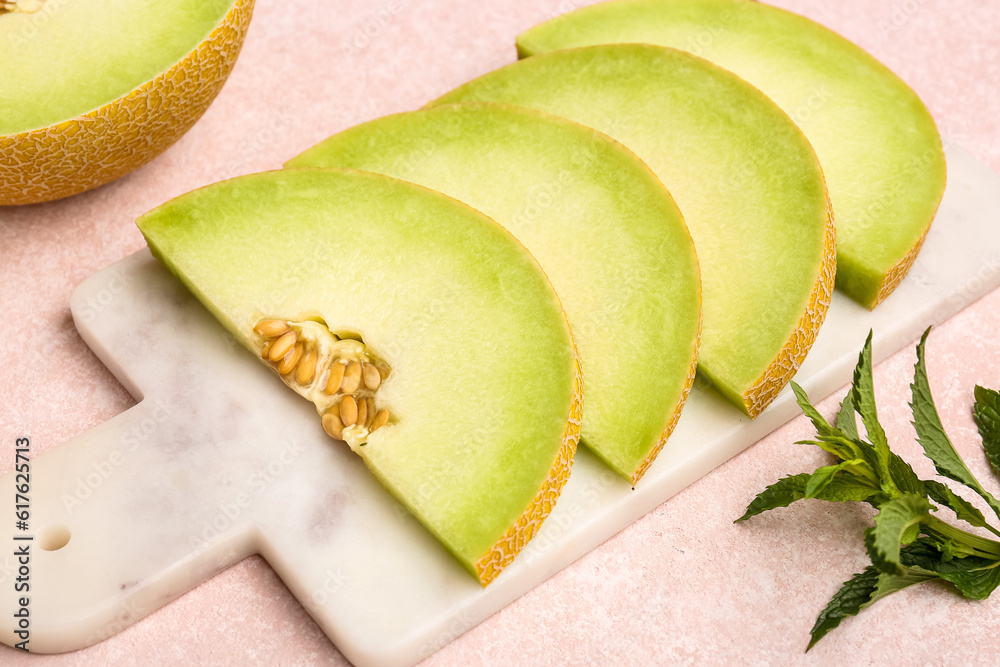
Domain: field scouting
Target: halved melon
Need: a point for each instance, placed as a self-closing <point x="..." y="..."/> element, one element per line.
<point x="90" y="91"/>
<point x="601" y="225"/>
<point x="361" y="290"/>
<point x="878" y="144"/>
<point x="744" y="176"/>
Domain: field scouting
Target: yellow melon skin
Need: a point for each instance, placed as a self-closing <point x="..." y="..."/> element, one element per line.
<point x="490" y="564"/>
<point x="760" y="394"/>
<point x="96" y="148"/>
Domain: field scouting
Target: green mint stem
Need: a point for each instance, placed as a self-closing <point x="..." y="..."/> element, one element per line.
<point x="988" y="548"/>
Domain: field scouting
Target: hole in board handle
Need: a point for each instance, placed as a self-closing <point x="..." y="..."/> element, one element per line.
<point x="53" y="538"/>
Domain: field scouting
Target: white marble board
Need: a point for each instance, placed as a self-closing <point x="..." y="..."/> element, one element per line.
<point x="218" y="461"/>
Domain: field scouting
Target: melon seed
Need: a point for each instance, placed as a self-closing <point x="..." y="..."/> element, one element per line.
<point x="336" y="376"/>
<point x="291" y="359"/>
<point x="333" y="426"/>
<point x="381" y="419"/>
<point x="267" y="348"/>
<point x="369" y="410"/>
<point x="363" y="411"/>
<point x="272" y="328"/>
<point x="348" y="411"/>
<point x="307" y="368"/>
<point x="372" y="377"/>
<point x="281" y="346"/>
<point x="352" y="378"/>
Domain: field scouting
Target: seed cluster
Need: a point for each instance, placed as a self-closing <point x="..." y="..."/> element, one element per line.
<point x="341" y="377"/>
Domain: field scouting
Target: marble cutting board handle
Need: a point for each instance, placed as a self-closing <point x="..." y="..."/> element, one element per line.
<point x="194" y="478"/>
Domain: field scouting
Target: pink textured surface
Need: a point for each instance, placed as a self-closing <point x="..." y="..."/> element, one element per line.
<point x="681" y="585"/>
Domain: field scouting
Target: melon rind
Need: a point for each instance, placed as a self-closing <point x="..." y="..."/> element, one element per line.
<point x="878" y="144"/>
<point x="603" y="228"/>
<point x="743" y="175"/>
<point x="82" y="153"/>
<point x="485" y="389"/>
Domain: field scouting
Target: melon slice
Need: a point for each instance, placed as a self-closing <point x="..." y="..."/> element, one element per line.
<point x="90" y="91"/>
<point x="878" y="144"/>
<point x="744" y="176"/>
<point x="361" y="290"/>
<point x="601" y="225"/>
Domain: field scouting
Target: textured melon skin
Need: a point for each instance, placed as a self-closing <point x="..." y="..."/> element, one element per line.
<point x="575" y="198"/>
<point x="82" y="153"/>
<point x="744" y="176"/>
<point x="877" y="142"/>
<point x="485" y="390"/>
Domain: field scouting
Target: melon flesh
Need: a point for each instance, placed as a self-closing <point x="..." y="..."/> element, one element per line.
<point x="878" y="144"/>
<point x="745" y="178"/>
<point x="484" y="389"/>
<point x="601" y="225"/>
<point x="91" y="90"/>
<point x="83" y="56"/>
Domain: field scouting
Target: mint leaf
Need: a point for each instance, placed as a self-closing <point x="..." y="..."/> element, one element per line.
<point x="987" y="412"/>
<point x="839" y="488"/>
<point x="844" y="449"/>
<point x="975" y="584"/>
<point x="820" y="481"/>
<point x="848" y="601"/>
<point x="846" y="422"/>
<point x="963" y="509"/>
<point x="830" y="438"/>
<point x="900" y="472"/>
<point x="931" y="435"/>
<point x="863" y="396"/>
<point x="904" y="477"/>
<point x="974" y="577"/>
<point x="780" y="494"/>
<point x="898" y="522"/>
<point x="862" y="590"/>
<point x="847" y="487"/>
<point x="928" y="553"/>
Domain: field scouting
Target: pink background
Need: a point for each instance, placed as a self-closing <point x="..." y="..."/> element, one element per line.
<point x="681" y="585"/>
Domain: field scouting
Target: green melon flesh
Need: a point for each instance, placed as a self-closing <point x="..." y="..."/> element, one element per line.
<point x="601" y="225"/>
<point x="744" y="176"/>
<point x="71" y="56"/>
<point x="878" y="144"/>
<point x="483" y="377"/>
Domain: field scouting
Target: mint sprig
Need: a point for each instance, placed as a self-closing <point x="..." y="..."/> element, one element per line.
<point x="908" y="543"/>
<point x="931" y="436"/>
